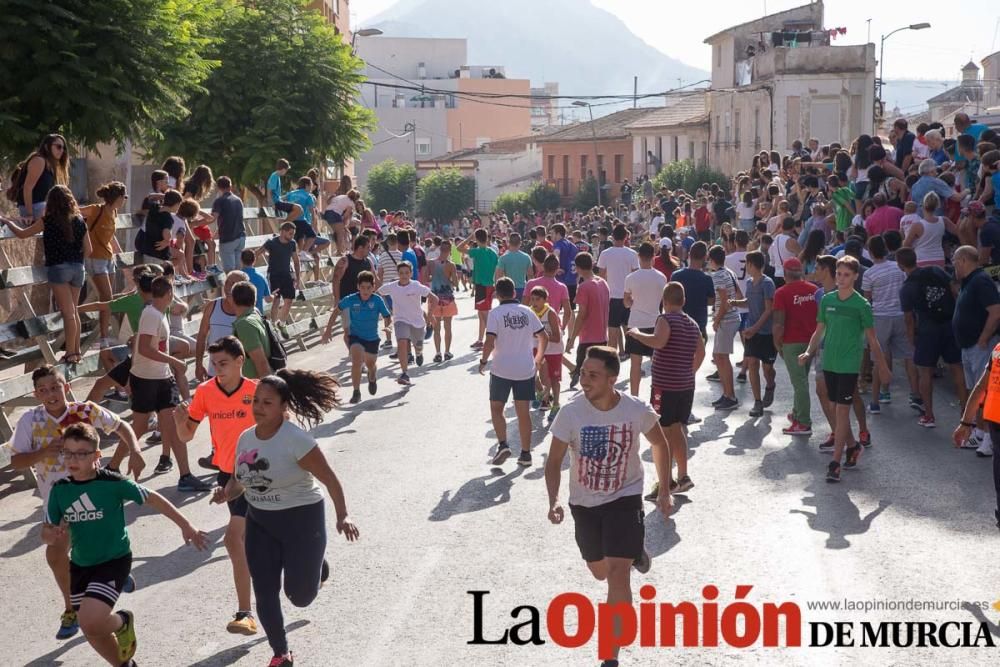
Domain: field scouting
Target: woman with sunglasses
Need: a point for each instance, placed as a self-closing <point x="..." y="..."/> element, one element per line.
<point x="281" y="472"/>
<point x="46" y="167"/>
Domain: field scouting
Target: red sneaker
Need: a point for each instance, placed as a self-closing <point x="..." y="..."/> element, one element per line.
<point x="797" y="429"/>
<point x="926" y="422"/>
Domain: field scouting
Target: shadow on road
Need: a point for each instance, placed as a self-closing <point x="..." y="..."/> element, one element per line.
<point x="348" y="413"/>
<point x="837" y="515"/>
<point x="51" y="658"/>
<point x="178" y="563"/>
<point x="479" y="493"/>
<point x="749" y="436"/>
<point x="233" y="655"/>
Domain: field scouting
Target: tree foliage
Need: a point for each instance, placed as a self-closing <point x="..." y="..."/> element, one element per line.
<point x="510" y="203"/>
<point x="685" y="175"/>
<point x="444" y="194"/>
<point x="538" y="197"/>
<point x="586" y="196"/>
<point x="285" y="88"/>
<point x="389" y="185"/>
<point x="98" y="71"/>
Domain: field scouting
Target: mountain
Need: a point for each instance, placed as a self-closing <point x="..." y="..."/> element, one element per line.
<point x="587" y="50"/>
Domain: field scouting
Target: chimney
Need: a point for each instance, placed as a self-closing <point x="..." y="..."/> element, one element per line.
<point x="970" y="74"/>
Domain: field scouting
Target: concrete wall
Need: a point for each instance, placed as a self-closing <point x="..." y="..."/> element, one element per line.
<point x="661" y="142"/>
<point x="495" y="169"/>
<point x="402" y="55"/>
<point x="431" y="126"/>
<point x="569" y="154"/>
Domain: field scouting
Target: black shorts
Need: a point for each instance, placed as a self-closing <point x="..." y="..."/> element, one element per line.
<point x="572" y="296"/>
<point x="333" y="218"/>
<point x="500" y="389"/>
<point x="369" y="346"/>
<point x="103" y="581"/>
<point x="840" y="386"/>
<point x="283" y="284"/>
<point x="283" y="206"/>
<point x="617" y="313"/>
<point x="200" y="247"/>
<point x="303" y="230"/>
<point x="613" y="530"/>
<point x="935" y="341"/>
<point x="674" y="406"/>
<point x="237" y="507"/>
<point x="121" y="372"/>
<point x="761" y="346"/>
<point x="581" y="353"/>
<point x="632" y="346"/>
<point x="153" y="395"/>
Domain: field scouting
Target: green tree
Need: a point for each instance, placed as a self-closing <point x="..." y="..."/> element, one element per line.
<point x="586" y="196"/>
<point x="689" y="177"/>
<point x="98" y="71"/>
<point x="443" y="194"/>
<point x="286" y="87"/>
<point x="542" y="197"/>
<point x="389" y="185"/>
<point x="510" y="203"/>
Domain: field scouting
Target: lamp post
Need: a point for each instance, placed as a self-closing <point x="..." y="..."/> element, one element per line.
<point x="411" y="128"/>
<point x="593" y="132"/>
<point x="881" y="58"/>
<point x="364" y="32"/>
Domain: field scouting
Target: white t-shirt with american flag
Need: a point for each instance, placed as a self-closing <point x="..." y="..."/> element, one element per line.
<point x="604" y="448"/>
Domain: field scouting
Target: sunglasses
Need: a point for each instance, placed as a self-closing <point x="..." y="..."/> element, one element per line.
<point x="80" y="456"/>
<point x="59" y="146"/>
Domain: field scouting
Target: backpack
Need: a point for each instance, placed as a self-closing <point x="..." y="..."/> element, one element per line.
<point x="939" y="302"/>
<point x="278" y="358"/>
<point x="17" y="176"/>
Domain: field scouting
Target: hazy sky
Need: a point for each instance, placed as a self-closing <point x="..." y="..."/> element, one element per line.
<point x="960" y="29"/>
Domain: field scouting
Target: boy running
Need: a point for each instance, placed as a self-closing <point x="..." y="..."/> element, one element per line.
<point x="444" y="280"/>
<point x="408" y="316"/>
<point x="484" y="265"/>
<point x="757" y="338"/>
<point x="281" y="261"/>
<point x="89" y="506"/>
<point x="359" y="314"/>
<point x="551" y="372"/>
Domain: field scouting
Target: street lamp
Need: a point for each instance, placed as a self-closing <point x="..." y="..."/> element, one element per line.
<point x="593" y="131"/>
<point x="881" y="59"/>
<point x="364" y="32"/>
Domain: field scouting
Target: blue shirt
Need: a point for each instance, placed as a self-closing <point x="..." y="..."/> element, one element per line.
<point x="698" y="289"/>
<point x="969" y="319"/>
<point x="364" y="314"/>
<point x="567" y="253"/>
<point x="304" y="199"/>
<point x="933" y="184"/>
<point x="411" y="257"/>
<point x="274" y="185"/>
<point x="260" y="282"/>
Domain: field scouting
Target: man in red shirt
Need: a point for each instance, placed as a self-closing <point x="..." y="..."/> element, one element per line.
<point x="795" y="305"/>
<point x="702" y="217"/>
<point x="883" y="218"/>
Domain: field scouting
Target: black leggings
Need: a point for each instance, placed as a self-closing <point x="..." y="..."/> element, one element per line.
<point x="291" y="540"/>
<point x="995" y="437"/>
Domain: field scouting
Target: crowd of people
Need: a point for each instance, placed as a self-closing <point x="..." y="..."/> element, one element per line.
<point x="852" y="260"/>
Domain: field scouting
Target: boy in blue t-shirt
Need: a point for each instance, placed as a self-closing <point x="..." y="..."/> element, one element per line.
<point x="360" y="313"/>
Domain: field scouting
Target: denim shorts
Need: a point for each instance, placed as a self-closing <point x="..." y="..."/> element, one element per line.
<point x="67" y="273"/>
<point x="37" y="210"/>
<point x="99" y="267"/>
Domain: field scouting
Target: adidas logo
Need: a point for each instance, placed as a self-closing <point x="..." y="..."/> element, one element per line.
<point x="83" y="510"/>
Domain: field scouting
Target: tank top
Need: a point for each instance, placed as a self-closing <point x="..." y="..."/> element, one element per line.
<point x="42" y="186"/>
<point x="543" y="315"/>
<point x="672" y="367"/>
<point x="220" y="325"/>
<point x="778" y="253"/>
<point x="928" y="247"/>
<point x="440" y="285"/>
<point x="349" y="281"/>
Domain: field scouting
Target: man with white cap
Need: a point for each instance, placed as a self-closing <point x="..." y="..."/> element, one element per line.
<point x="664" y="262"/>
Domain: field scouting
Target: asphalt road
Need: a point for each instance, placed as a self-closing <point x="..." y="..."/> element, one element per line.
<point x="914" y="522"/>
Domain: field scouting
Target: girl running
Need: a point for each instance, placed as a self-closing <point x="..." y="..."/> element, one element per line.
<point x="279" y="469"/>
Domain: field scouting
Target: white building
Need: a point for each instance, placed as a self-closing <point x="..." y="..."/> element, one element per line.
<point x="678" y="131"/>
<point x="778" y="79"/>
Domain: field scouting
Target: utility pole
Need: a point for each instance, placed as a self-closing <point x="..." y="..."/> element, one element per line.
<point x="635" y="91"/>
<point x="412" y="129"/>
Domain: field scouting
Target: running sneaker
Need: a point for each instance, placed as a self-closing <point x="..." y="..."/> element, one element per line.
<point x="356" y="396"/>
<point x="394" y="356"/>
<point x="828" y="443"/>
<point x="853" y="454"/>
<point x="865" y="439"/>
<point x="926" y="422"/>
<point x="420" y="359"/>
<point x="281" y="660"/>
<point x="797" y="429"/>
<point x="503" y="453"/>
<point x="387" y="345"/>
<point x="190" y="484"/>
<point x="524" y="459"/>
<point x="713" y="377"/>
<point x="155" y="438"/>
<point x="324" y="572"/>
<point x="448" y="356"/>
<point x="643" y="562"/>
<point x="916" y="403"/>
<point x="428" y="332"/>
<point x="683" y="484"/>
<point x="757" y="410"/>
<point x="874" y="409"/>
<point x="206" y="463"/>
<point x="126" y="636"/>
<point x="972" y="442"/>
<point x="68" y="625"/>
<point x="574" y="379"/>
<point x="129" y="586"/>
<point x="437" y="358"/>
<point x="478" y="345"/>
<point x="742" y="376"/>
<point x="654" y="494"/>
<point x="985" y="450"/>
<point x="692" y="419"/>
<point x="552" y="413"/>
<point x="885" y="397"/>
<point x="727" y="404"/>
<point x="833" y="472"/>
<point x="116" y="395"/>
<point x="720" y="399"/>
<point x="243" y="623"/>
<point x="768" y="396"/>
<point x="372" y="387"/>
<point x="609" y="663"/>
<point x="164" y="465"/>
<point x="790" y="417"/>
<point x="404" y="380"/>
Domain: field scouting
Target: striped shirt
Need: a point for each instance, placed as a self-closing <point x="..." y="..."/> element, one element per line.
<point x="388" y="261"/>
<point x="672" y="367"/>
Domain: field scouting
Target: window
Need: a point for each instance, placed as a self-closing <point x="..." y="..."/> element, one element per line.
<point x="565" y="171"/>
<point x="677" y="155"/>
<point x="601" y="177"/>
<point x="659" y="149"/>
<point x="449" y="102"/>
<point x="736" y="126"/>
<point x="552" y="167"/>
<point x="618" y="168"/>
<point x="583" y="167"/>
<point x="727" y="125"/>
<point x="423" y="147"/>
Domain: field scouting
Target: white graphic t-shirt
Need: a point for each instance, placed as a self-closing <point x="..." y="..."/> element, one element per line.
<point x="604" y="462"/>
<point x="269" y="469"/>
<point x="514" y="327"/>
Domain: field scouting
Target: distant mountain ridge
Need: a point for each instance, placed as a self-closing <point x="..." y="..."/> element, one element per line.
<point x="587" y="50"/>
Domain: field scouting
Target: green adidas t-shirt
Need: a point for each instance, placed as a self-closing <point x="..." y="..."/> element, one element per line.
<point x="94" y="511"/>
<point x="844" y="338"/>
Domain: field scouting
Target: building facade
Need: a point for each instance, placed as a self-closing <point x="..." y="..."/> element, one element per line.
<point x="421" y="93"/>
<point x="545" y="109"/>
<point x="778" y="79"/>
<point x="678" y="131"/>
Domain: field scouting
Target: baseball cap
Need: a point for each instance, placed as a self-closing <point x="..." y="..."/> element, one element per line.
<point x="666" y="243"/>
<point x="792" y="264"/>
